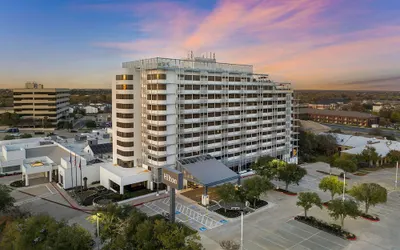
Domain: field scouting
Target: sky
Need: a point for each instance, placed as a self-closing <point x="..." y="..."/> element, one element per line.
<point x="314" y="44"/>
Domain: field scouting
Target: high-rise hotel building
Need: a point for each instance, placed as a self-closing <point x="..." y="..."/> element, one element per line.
<point x="166" y="110"/>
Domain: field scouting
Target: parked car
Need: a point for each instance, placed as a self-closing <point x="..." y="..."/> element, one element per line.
<point x="12" y="130"/>
<point x="74" y="131"/>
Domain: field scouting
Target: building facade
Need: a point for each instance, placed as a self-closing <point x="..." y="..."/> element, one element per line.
<point x="41" y="107"/>
<point x="165" y="110"/>
<point x="339" y="117"/>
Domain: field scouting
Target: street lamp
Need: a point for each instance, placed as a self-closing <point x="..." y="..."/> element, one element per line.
<point x="241" y="230"/>
<point x="344" y="184"/>
<point x="98" y="215"/>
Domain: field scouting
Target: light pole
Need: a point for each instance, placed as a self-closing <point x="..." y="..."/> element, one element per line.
<point x="98" y="230"/>
<point x="344" y="184"/>
<point x="397" y="171"/>
<point x="241" y="230"/>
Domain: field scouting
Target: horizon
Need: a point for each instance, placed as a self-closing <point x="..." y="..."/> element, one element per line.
<point x="326" y="45"/>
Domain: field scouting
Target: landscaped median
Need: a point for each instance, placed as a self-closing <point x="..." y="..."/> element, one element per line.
<point x="285" y="192"/>
<point x="326" y="227"/>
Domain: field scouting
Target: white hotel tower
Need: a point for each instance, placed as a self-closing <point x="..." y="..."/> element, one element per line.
<point x="167" y="110"/>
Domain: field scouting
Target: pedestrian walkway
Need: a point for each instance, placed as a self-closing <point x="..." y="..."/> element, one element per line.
<point x="190" y="214"/>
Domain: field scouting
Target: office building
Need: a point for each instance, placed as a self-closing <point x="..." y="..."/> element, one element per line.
<point x="41" y="107"/>
<point x="173" y="112"/>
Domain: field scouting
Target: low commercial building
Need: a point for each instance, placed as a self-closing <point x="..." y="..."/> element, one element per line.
<point x="350" y="144"/>
<point x="339" y="117"/>
<point x="91" y="110"/>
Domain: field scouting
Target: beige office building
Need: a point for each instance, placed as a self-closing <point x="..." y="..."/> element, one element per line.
<point x="41" y="107"/>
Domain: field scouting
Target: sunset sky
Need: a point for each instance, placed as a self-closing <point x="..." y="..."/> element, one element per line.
<point x="315" y="44"/>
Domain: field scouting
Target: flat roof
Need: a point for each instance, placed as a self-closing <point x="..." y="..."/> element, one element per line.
<point x="336" y="113"/>
<point x="208" y="171"/>
<point x="123" y="172"/>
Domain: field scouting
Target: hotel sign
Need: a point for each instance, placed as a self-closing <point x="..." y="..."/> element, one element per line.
<point x="172" y="178"/>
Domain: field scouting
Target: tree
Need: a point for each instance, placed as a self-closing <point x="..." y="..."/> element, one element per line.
<point x="290" y="173"/>
<point x="134" y="230"/>
<point x="8" y="137"/>
<point x="91" y="124"/>
<point x="229" y="245"/>
<point x="9" y="119"/>
<point x="44" y="232"/>
<point x="339" y="209"/>
<point x="26" y="135"/>
<point x="6" y="200"/>
<point x="331" y="183"/>
<point x="395" y="116"/>
<point x="369" y="155"/>
<point x="307" y="200"/>
<point x="369" y="193"/>
<point x="264" y="166"/>
<point x="394" y="156"/>
<point x="254" y="187"/>
<point x="345" y="164"/>
<point x="228" y="193"/>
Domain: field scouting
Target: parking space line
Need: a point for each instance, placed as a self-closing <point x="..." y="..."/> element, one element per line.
<point x="298" y="243"/>
<point x="317" y="235"/>
<point x="273" y="242"/>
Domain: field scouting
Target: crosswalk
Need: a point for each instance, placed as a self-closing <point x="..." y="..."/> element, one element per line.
<point x="191" y="214"/>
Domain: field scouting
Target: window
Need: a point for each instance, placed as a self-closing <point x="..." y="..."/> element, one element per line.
<point x="155" y="148"/>
<point x="124" y="106"/>
<point x="124" y="153"/>
<point x="124" y="86"/>
<point x="124" y="96"/>
<point x="157" y="97"/>
<point x="156" y="107"/>
<point x="124" y="77"/>
<point x="157" y="138"/>
<point x="156" y="76"/>
<point x="156" y="86"/>
<point x="122" y="115"/>
<point x="125" y="143"/>
<point x="157" y="117"/>
<point x="123" y="134"/>
<point x="124" y="125"/>
<point x="157" y="128"/>
<point x="196" y="78"/>
<point x="188" y="77"/>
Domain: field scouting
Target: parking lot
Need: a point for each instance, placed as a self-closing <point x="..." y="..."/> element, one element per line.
<point x="275" y="227"/>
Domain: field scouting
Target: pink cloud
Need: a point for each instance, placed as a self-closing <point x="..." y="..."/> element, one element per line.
<point x="302" y="41"/>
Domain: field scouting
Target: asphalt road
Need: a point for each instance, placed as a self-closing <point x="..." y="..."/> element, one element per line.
<point x="362" y="130"/>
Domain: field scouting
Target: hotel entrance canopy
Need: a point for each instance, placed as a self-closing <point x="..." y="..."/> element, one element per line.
<point x="206" y="170"/>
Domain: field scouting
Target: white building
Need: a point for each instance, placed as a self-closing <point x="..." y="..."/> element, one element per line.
<point x="91" y="110"/>
<point x="376" y="107"/>
<point x="169" y="111"/>
<point x="350" y="144"/>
